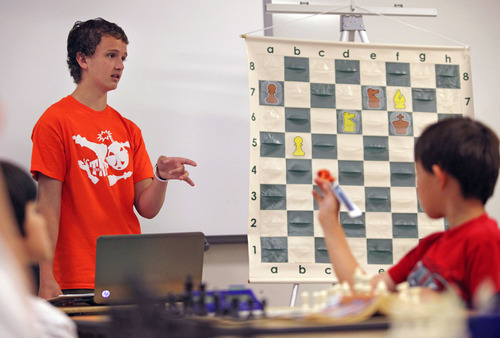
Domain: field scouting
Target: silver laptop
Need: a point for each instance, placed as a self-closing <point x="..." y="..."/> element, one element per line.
<point x="158" y="263"/>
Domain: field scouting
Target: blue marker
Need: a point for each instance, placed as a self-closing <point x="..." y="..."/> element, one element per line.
<point x="352" y="208"/>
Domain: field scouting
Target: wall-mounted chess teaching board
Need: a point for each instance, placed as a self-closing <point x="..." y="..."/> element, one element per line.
<point x="355" y="109"/>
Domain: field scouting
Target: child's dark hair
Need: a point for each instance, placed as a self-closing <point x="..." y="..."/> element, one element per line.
<point x="84" y="38"/>
<point x="21" y="189"/>
<point x="466" y="149"/>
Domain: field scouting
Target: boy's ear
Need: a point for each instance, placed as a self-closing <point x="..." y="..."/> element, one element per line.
<point x="441" y="175"/>
<point x="82" y="60"/>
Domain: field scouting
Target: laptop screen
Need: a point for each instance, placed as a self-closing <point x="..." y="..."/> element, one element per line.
<point x="159" y="263"/>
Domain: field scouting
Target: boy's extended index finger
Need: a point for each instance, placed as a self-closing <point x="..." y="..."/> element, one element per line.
<point x="187" y="161"/>
<point x="182" y="160"/>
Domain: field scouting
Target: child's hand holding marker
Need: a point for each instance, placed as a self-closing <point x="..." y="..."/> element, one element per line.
<point x="352" y="208"/>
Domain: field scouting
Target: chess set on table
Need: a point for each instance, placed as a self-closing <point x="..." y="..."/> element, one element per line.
<point x="200" y="313"/>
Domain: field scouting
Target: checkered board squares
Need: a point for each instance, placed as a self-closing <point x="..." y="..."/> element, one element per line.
<point x="356" y="110"/>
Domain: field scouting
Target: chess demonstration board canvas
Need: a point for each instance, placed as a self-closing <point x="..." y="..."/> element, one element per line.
<point x="355" y="109"/>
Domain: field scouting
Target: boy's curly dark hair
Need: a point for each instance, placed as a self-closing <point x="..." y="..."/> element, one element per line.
<point x="466" y="149"/>
<point x="84" y="38"/>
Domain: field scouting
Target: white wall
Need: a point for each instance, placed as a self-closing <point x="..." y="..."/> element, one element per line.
<point x="185" y="84"/>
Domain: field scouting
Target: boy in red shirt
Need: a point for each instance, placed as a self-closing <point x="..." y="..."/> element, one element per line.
<point x="457" y="163"/>
<point x="91" y="163"/>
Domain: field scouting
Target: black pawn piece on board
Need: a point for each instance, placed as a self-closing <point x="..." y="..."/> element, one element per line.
<point x="264" y="304"/>
<point x="235" y="308"/>
<point x="188" y="297"/>
<point x="250" y="303"/>
<point x="217" y="307"/>
<point x="188" y="287"/>
<point x="189" y="284"/>
<point x="202" y="306"/>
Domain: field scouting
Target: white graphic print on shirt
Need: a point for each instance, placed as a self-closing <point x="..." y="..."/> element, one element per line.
<point x="108" y="154"/>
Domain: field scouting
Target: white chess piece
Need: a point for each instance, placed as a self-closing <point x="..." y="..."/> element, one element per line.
<point x="362" y="282"/>
<point x="402" y="286"/>
<point x="346" y="289"/>
<point x="305" y="301"/>
<point x="323" y="298"/>
<point x="402" y="290"/>
<point x="358" y="280"/>
<point x="316" y="301"/>
<point x="381" y="288"/>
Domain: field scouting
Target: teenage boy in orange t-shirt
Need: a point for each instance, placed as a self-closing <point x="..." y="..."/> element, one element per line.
<point x="91" y="163"/>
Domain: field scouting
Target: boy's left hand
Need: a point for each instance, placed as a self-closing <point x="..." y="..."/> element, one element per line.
<point x="172" y="168"/>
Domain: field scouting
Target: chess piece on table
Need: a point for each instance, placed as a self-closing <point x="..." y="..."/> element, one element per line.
<point x="234" y="310"/>
<point x="202" y="306"/>
<point x="188" y="297"/>
<point x="250" y="304"/>
<point x="218" y="311"/>
<point x="305" y="301"/>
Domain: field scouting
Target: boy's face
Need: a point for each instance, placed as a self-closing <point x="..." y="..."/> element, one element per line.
<point x="428" y="192"/>
<point x="105" y="68"/>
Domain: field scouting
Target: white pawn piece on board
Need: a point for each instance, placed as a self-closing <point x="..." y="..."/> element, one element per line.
<point x="366" y="287"/>
<point x="317" y="301"/>
<point x="358" y="275"/>
<point x="381" y="288"/>
<point x="367" y="284"/>
<point x="362" y="282"/>
<point x="402" y="290"/>
<point x="358" y="280"/>
<point x="324" y="298"/>
<point x="305" y="301"/>
<point x="346" y="289"/>
<point x="402" y="286"/>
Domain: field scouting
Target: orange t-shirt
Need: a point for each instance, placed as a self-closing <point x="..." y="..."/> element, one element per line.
<point x="98" y="156"/>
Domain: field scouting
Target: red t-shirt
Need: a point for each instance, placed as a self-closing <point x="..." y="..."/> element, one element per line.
<point x="462" y="257"/>
<point x="98" y="156"/>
